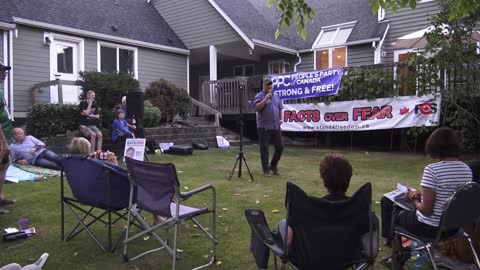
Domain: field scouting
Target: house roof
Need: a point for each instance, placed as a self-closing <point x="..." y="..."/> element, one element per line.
<point x="133" y="19"/>
<point x="258" y="21"/>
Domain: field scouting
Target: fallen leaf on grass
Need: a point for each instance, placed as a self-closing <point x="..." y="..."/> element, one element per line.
<point x="257" y="202"/>
<point x="274" y="211"/>
<point x="219" y="263"/>
<point x="206" y="256"/>
<point x="146" y="238"/>
<point x="225" y="209"/>
<point x="265" y="196"/>
<point x="237" y="194"/>
<point x="75" y="254"/>
<point x="219" y="216"/>
<point x="185" y="187"/>
<point x="195" y="226"/>
<point x="179" y="250"/>
<point x="180" y="171"/>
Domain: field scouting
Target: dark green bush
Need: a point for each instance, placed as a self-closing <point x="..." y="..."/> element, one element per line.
<point x="45" y="120"/>
<point x="169" y="98"/>
<point x="151" y="116"/>
<point x="109" y="89"/>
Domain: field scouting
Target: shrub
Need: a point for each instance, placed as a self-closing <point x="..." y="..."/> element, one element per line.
<point x="45" y="120"/>
<point x="109" y="89"/>
<point x="151" y="116"/>
<point x="169" y="98"/>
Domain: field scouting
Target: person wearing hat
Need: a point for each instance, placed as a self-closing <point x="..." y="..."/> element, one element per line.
<point x="6" y="131"/>
<point x="269" y="118"/>
<point x="120" y="127"/>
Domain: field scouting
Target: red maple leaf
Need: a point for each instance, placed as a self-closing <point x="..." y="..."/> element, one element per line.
<point x="404" y="110"/>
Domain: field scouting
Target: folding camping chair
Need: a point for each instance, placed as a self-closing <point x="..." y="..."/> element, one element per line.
<point x="96" y="185"/>
<point x="462" y="209"/>
<point x="326" y="234"/>
<point x="155" y="189"/>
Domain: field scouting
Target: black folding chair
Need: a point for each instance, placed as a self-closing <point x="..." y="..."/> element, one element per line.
<point x="462" y="209"/>
<point x="155" y="189"/>
<point x="94" y="185"/>
<point x="326" y="234"/>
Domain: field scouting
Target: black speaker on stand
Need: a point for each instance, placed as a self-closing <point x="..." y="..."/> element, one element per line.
<point x="135" y="106"/>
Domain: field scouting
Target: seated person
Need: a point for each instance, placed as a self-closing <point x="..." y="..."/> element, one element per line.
<point x="439" y="182"/>
<point x="89" y="116"/>
<point x="336" y="172"/>
<point x="120" y="128"/>
<point x="82" y="146"/>
<point x="131" y="120"/>
<point x="29" y="150"/>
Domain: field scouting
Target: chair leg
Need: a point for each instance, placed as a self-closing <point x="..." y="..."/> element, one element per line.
<point x="430" y="255"/>
<point x="477" y="261"/>
<point x="125" y="242"/>
<point x="174" y="257"/>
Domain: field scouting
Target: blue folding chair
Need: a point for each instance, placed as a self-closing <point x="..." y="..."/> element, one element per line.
<point x="95" y="185"/>
<point x="155" y="189"/>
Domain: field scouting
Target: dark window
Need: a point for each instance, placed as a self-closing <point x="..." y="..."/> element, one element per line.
<point x="126" y="58"/>
<point x="64" y="59"/>
<point x="108" y="59"/>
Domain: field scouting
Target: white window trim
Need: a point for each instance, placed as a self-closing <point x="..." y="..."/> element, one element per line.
<point x="81" y="51"/>
<point x="279" y="61"/>
<point x="396" y="54"/>
<point x="330" y="56"/>
<point x="243" y="67"/>
<point x="117" y="47"/>
<point x="381" y="14"/>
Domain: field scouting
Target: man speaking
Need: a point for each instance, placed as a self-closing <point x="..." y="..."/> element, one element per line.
<point x="269" y="118"/>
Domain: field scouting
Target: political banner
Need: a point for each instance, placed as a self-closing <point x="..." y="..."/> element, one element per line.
<point x="315" y="83"/>
<point x="383" y="113"/>
<point x="135" y="149"/>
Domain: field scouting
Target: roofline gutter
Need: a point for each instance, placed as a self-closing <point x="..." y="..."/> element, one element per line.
<point x="91" y="34"/>
<point x="7" y="26"/>
<point x="232" y="24"/>
<point x="363" y="41"/>
<point x="274" y="47"/>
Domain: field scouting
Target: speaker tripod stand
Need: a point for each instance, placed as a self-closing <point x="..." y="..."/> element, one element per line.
<point x="241" y="156"/>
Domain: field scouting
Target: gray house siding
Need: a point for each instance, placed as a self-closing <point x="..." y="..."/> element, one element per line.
<point x="406" y="21"/>
<point x="360" y="55"/>
<point x="196" y="22"/>
<point x="308" y="60"/>
<point x="154" y="65"/>
<point x="90" y="54"/>
<point x="31" y="63"/>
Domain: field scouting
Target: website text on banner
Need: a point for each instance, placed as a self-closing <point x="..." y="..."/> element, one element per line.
<point x="384" y="113"/>
<point x="315" y="83"/>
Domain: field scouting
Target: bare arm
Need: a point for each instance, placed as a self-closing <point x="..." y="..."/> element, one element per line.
<point x="425" y="205"/>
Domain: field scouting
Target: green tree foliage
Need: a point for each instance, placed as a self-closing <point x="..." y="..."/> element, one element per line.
<point x="109" y="89"/>
<point x="152" y="115"/>
<point x="170" y="99"/>
<point x="44" y="120"/>
<point x="293" y="12"/>
<point x="450" y="64"/>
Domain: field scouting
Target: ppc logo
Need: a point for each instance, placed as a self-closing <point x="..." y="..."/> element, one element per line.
<point x="427" y="107"/>
<point x="279" y="81"/>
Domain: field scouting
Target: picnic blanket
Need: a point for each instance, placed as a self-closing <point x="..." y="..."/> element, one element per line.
<point x="19" y="173"/>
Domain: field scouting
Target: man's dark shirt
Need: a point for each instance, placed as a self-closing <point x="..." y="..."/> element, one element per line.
<point x="87" y="121"/>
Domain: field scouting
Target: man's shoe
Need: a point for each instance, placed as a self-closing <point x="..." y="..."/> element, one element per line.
<point x="274" y="170"/>
<point x="267" y="174"/>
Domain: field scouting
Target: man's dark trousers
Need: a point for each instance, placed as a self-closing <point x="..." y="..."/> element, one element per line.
<point x="265" y="136"/>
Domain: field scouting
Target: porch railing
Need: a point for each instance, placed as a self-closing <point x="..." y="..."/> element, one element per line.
<point x="201" y="109"/>
<point x="229" y="96"/>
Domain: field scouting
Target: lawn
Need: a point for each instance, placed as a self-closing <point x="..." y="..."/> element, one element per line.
<point x="40" y="203"/>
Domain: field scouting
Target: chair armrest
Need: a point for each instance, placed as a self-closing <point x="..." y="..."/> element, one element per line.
<point x="186" y="195"/>
<point x="258" y="224"/>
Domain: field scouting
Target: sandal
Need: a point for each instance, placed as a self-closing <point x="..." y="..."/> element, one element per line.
<point x="6" y="202"/>
<point x="3" y="212"/>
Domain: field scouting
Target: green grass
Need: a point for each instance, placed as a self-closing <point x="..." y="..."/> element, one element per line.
<point x="40" y="203"/>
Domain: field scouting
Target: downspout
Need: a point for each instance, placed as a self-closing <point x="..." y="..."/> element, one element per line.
<point x="298" y="63"/>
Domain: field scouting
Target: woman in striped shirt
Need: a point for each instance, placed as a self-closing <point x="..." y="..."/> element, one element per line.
<point x="439" y="182"/>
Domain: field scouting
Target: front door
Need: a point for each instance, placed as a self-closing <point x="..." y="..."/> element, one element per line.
<point x="65" y="62"/>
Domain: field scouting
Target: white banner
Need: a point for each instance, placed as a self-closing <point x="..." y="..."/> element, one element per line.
<point x="383" y="113"/>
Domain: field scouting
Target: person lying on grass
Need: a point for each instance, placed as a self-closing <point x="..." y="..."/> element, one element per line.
<point x="27" y="150"/>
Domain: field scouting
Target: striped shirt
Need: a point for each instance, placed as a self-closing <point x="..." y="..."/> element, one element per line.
<point x="443" y="178"/>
